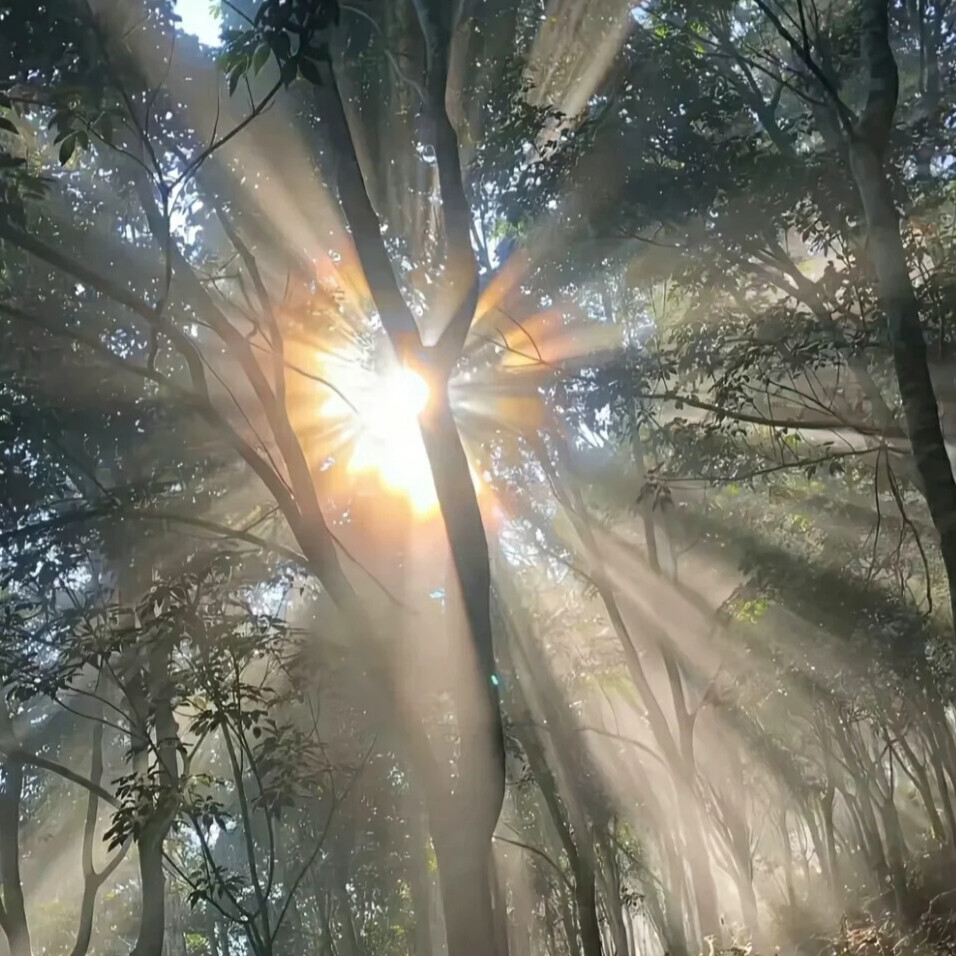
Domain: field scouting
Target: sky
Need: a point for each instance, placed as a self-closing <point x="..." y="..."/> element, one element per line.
<point x="200" y="20"/>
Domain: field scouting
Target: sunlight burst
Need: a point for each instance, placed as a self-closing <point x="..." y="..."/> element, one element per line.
<point x="388" y="442"/>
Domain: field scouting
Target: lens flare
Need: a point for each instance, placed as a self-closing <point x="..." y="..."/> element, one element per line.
<point x="389" y="444"/>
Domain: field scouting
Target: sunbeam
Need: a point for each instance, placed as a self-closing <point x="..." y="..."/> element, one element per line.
<point x="475" y="478"/>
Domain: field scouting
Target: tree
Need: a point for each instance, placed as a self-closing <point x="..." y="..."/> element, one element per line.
<point x="617" y="258"/>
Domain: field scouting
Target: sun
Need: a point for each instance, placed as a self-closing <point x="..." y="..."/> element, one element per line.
<point x="362" y="414"/>
<point x="398" y="396"/>
<point x="381" y="415"/>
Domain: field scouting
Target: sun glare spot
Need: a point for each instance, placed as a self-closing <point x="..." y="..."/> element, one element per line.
<point x="372" y="418"/>
<point x="201" y="19"/>
<point x="405" y="392"/>
<point x="389" y="442"/>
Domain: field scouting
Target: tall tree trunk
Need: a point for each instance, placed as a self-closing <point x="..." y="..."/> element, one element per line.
<point x="748" y="906"/>
<point x="698" y="860"/>
<point x="895" y="854"/>
<point x="567" y="920"/>
<point x="914" y="767"/>
<point x="499" y="900"/>
<point x="677" y="753"/>
<point x="868" y="141"/>
<point x="787" y="856"/>
<point x="13" y="912"/>
<point x="479" y="788"/>
<point x="92" y="880"/>
<point x="675" y="936"/>
<point x="939" y="772"/>
<point x="829" y="834"/>
<point x="702" y="880"/>
<point x="174" y="943"/>
<point x="350" y="939"/>
<point x="581" y="861"/>
<point x="614" y="905"/>
<point x="151" y="692"/>
<point x="419" y="881"/>
<point x="464" y="874"/>
<point x="552" y="944"/>
<point x="152" y="926"/>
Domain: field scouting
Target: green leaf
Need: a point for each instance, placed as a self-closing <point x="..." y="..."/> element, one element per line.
<point x="310" y="72"/>
<point x="320" y="53"/>
<point x="289" y="70"/>
<point x="260" y="57"/>
<point x="234" y="78"/>
<point x="8" y="125"/>
<point x="281" y="46"/>
<point x="67" y="148"/>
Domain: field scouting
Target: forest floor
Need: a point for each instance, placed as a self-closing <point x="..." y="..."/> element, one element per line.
<point x="871" y="926"/>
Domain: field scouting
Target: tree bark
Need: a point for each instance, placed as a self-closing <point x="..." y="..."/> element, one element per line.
<point x="14" y="920"/>
<point x="581" y="861"/>
<point x="479" y="788"/>
<point x="152" y="926"/>
<point x="92" y="880"/>
<point x="464" y="873"/>
<point x="419" y="882"/>
<point x="867" y="147"/>
<point x="151" y="691"/>
<point x="939" y="772"/>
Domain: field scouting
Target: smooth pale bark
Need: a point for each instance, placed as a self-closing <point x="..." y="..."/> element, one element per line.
<point x="464" y="874"/>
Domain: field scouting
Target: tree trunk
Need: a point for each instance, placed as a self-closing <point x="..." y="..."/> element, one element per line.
<point x="829" y="832"/>
<point x="92" y="881"/>
<point x="895" y="854"/>
<point x="153" y="692"/>
<point x="867" y="145"/>
<point x="748" y="908"/>
<point x="552" y="943"/>
<point x="481" y="778"/>
<point x="673" y="909"/>
<point x="787" y="857"/>
<point x="614" y="907"/>
<point x="698" y="862"/>
<point x="567" y="919"/>
<point x="939" y="771"/>
<point x="585" y="898"/>
<point x="581" y="859"/>
<point x="15" y="918"/>
<point x="174" y="943"/>
<point x="152" y="925"/>
<point x="350" y="939"/>
<point x="499" y="901"/>
<point x="84" y="932"/>
<point x="916" y="771"/>
<point x="419" y="883"/>
<point x="464" y="873"/>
